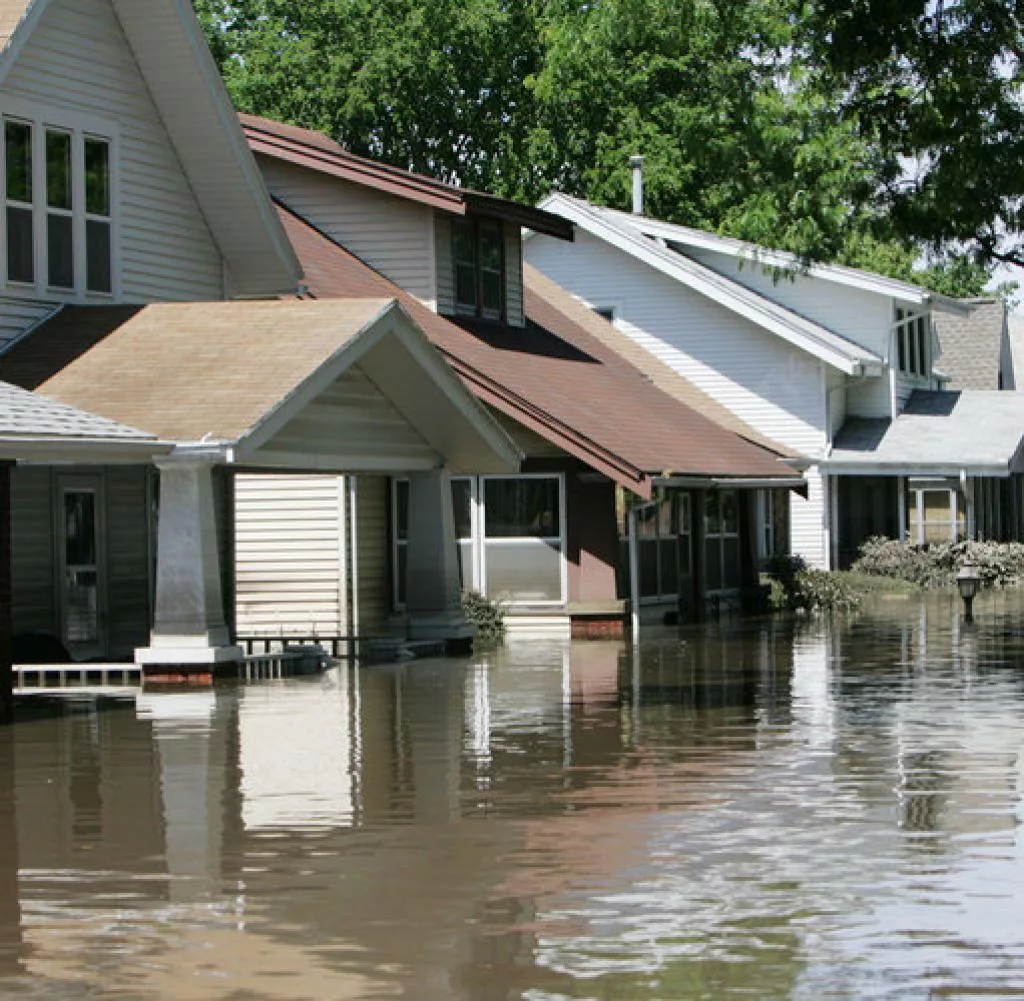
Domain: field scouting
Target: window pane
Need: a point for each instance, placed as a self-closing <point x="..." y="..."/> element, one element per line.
<point x="97" y="177"/>
<point x="462" y="496"/>
<point x="80" y="528"/>
<point x="490" y="289"/>
<point x="730" y="513"/>
<point x="401" y="488"/>
<point x="18" y="151"/>
<point x="647" y="522"/>
<point x="666" y="518"/>
<point x="97" y="261"/>
<point x="527" y="507"/>
<point x="20" y="267"/>
<point x="524" y="571"/>
<point x="401" y="573"/>
<point x="58" y="170"/>
<point x="712" y="522"/>
<point x="647" y="555"/>
<point x="465" y="287"/>
<point x="490" y="247"/>
<point x="901" y="341"/>
<point x="60" y="251"/>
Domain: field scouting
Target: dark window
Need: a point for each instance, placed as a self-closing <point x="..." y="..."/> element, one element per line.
<point x="18" y="160"/>
<point x="478" y="261"/>
<point x="518" y="508"/>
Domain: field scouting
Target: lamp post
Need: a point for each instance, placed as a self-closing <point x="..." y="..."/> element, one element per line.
<point x="968" y="581"/>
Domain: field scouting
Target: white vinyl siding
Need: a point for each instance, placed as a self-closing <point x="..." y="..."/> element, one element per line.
<point x="808" y="520"/>
<point x="290" y="555"/>
<point x="390" y="234"/>
<point x="19" y="315"/>
<point x="860" y="316"/>
<point x="869" y="397"/>
<point x="445" y="268"/>
<point x="515" y="313"/>
<point x="78" y="60"/>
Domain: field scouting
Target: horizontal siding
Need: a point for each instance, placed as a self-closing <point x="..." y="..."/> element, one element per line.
<point x="289" y="551"/>
<point x="515" y="309"/>
<point x="770" y="384"/>
<point x="33" y="602"/>
<point x="808" y="520"/>
<point x="443" y="259"/>
<point x="18" y="315"/>
<point x="869" y="397"/>
<point x="392" y="235"/>
<point x="370" y="425"/>
<point x="860" y="316"/>
<point x="837" y="400"/>
<point x="78" y="59"/>
<point x="127" y="537"/>
<point x="374" y="575"/>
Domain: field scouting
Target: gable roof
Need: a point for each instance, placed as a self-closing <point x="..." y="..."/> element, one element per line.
<point x="971" y="345"/>
<point x="560" y="382"/>
<point x="315" y="151"/>
<point x="172" y="55"/>
<point x="868" y="281"/>
<point x="620" y="230"/>
<point x="937" y="434"/>
<point x="233" y="373"/>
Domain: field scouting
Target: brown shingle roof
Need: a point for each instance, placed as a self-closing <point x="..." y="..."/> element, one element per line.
<point x="558" y="380"/>
<point x="185" y="371"/>
<point x="316" y="151"/>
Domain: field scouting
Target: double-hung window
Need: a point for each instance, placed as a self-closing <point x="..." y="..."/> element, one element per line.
<point x="913" y="343"/>
<point x="478" y="262"/>
<point x="59" y="214"/>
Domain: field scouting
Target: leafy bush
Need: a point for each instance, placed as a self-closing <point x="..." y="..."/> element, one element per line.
<point x="795" y="586"/>
<point x="1000" y="564"/>
<point x="488" y="617"/>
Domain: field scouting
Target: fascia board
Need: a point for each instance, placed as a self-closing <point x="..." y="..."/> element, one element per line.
<point x="31" y="448"/>
<point x="716" y="287"/>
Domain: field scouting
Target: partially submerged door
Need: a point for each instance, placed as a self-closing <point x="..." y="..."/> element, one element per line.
<point x="80" y="572"/>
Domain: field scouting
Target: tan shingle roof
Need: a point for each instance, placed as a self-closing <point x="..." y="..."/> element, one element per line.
<point x="184" y="371"/>
<point x="11" y="14"/>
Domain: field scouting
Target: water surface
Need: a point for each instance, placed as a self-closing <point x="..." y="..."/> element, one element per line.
<point x="777" y="809"/>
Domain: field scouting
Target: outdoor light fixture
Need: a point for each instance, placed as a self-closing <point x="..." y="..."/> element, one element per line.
<point x="968" y="581"/>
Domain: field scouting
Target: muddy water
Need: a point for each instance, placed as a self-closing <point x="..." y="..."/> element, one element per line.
<point x="772" y="810"/>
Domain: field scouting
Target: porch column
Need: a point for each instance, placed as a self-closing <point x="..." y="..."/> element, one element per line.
<point x="189" y="627"/>
<point x="433" y="595"/>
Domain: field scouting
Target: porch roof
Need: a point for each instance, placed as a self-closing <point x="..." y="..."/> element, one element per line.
<point x="559" y="381"/>
<point x="243" y="376"/>
<point x="977" y="432"/>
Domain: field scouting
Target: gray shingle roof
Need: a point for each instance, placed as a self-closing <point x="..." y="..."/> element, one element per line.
<point x="29" y="415"/>
<point x="970" y="346"/>
<point x="938" y="433"/>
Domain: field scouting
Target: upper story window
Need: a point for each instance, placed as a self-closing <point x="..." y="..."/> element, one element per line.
<point x="913" y="343"/>
<point x="478" y="262"/>
<point x="57" y="188"/>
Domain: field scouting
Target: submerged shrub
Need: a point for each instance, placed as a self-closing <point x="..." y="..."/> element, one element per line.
<point x="1000" y="564"/>
<point x="488" y="617"/>
<point x="797" y="586"/>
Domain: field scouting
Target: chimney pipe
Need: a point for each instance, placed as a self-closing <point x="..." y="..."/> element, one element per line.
<point x="637" y="163"/>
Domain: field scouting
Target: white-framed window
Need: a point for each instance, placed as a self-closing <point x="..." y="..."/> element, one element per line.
<point x="772" y="523"/>
<point x="934" y="513"/>
<point x="510" y="532"/>
<point x="59" y="206"/>
<point x="913" y="343"/>
<point x="722" y="540"/>
<point x="478" y="265"/>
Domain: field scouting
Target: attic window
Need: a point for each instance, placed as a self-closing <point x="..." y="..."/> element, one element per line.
<point x="913" y="343"/>
<point x="478" y="263"/>
<point x="57" y="188"/>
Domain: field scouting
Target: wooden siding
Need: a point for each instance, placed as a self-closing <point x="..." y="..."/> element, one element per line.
<point x="388" y="233"/>
<point x="837" y="400"/>
<point x="78" y="60"/>
<point x="289" y="555"/>
<point x="860" y="316"/>
<point x="770" y="384"/>
<point x="127" y="570"/>
<point x="374" y="560"/>
<point x="515" y="310"/>
<point x="869" y="397"/>
<point x="374" y="430"/>
<point x="33" y="603"/>
<point x="443" y="259"/>
<point x="18" y="315"/>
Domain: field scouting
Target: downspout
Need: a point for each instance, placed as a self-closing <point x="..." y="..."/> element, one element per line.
<point x="636" y="164"/>
<point x="634" y="577"/>
<point x="353" y="556"/>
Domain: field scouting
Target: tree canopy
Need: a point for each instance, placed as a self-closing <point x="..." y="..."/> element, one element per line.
<point x="871" y="132"/>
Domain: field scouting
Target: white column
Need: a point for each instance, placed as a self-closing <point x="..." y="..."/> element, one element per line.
<point x="433" y="595"/>
<point x="189" y="626"/>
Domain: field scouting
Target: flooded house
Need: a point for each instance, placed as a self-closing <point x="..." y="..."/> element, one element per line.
<point x="840" y="365"/>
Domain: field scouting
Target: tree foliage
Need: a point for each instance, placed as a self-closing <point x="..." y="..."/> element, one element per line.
<point x="836" y="129"/>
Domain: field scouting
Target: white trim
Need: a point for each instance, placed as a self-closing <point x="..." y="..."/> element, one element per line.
<point x="804" y="334"/>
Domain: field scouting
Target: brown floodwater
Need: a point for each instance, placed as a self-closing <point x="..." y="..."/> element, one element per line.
<point x="769" y="809"/>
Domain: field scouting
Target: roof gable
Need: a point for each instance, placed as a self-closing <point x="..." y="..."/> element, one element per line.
<point x="172" y="56"/>
<point x="617" y="231"/>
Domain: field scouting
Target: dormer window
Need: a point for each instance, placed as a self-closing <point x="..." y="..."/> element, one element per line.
<point x="479" y="268"/>
<point x="57" y="186"/>
<point x="913" y="344"/>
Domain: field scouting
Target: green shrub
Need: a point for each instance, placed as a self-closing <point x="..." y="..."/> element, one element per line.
<point x="488" y="617"/>
<point x="797" y="586"/>
<point x="1000" y="564"/>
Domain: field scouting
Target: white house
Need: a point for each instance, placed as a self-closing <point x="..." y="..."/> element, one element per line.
<point x="798" y="355"/>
